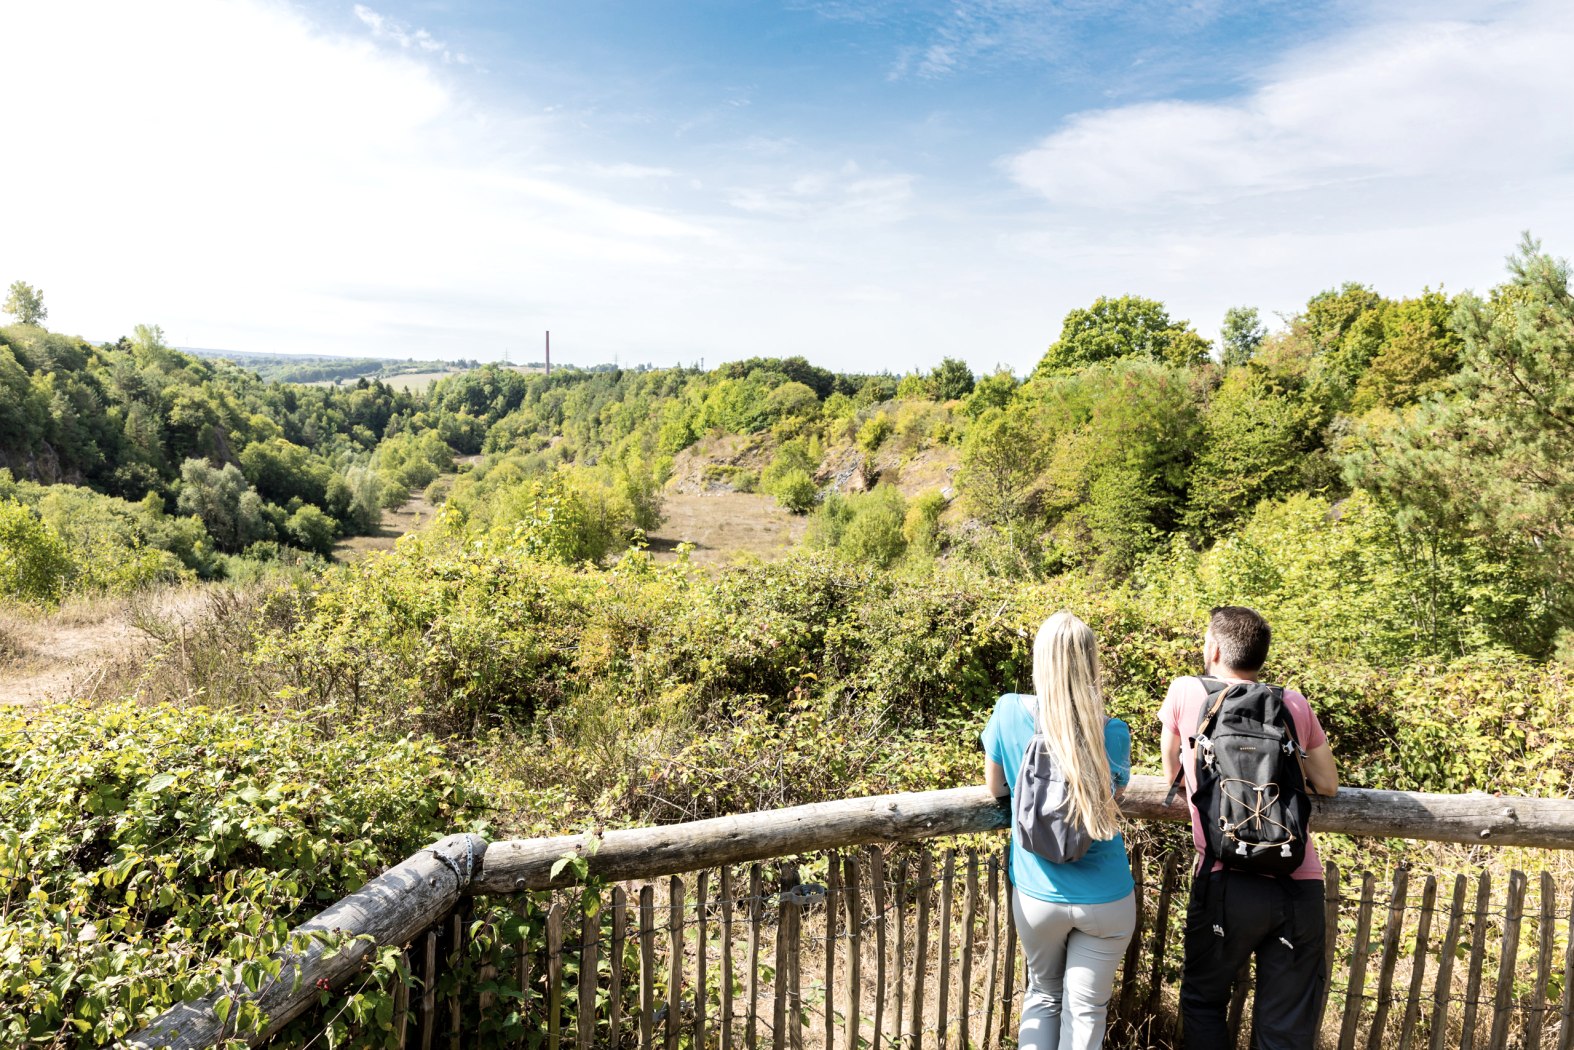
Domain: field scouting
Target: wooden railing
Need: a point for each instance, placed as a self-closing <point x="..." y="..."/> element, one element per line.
<point x="795" y="937"/>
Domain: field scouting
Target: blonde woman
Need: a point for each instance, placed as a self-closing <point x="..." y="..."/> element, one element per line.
<point x="1073" y="918"/>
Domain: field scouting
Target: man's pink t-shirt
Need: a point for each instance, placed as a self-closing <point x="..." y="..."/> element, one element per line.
<point x="1181" y="708"/>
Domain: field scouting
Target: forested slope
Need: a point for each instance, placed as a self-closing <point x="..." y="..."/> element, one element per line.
<point x="1387" y="480"/>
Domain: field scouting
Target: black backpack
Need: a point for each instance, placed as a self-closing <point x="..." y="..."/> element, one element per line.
<point x="1251" y="792"/>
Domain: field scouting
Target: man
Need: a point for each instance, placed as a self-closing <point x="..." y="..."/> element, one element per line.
<point x="1235" y="915"/>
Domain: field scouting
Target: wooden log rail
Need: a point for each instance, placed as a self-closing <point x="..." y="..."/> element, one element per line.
<point x="416" y="896"/>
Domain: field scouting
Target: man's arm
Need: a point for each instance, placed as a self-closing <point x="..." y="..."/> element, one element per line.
<point x="1170" y="754"/>
<point x="995" y="778"/>
<point x="1322" y="774"/>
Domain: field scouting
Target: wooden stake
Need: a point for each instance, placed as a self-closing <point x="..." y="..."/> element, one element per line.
<point x="1331" y="898"/>
<point x="1397" y="900"/>
<point x="401" y="1010"/>
<point x="991" y="1036"/>
<point x="1358" y="956"/>
<point x="1161" y="932"/>
<point x="555" y="976"/>
<point x="756" y="911"/>
<point x="727" y="903"/>
<point x="620" y="907"/>
<point x="926" y="878"/>
<point x="851" y="892"/>
<point x="969" y="917"/>
<point x="459" y="939"/>
<point x="589" y="942"/>
<point x="1546" y="940"/>
<point x="1566" y="1008"/>
<point x="1008" y="983"/>
<point x="1503" y="999"/>
<point x="796" y="1018"/>
<point x="701" y="958"/>
<point x="647" y="967"/>
<point x="877" y="884"/>
<point x="1445" y="965"/>
<point x="901" y="951"/>
<point x="947" y="882"/>
<point x="1412" y="1016"/>
<point x="833" y="876"/>
<point x="429" y="992"/>
<point x="1478" y="946"/>
<point x="674" y="960"/>
<point x="1128" y="969"/>
<point x="779" y="1010"/>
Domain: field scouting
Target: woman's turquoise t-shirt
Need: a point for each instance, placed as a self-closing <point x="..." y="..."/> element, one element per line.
<point x="1104" y="873"/>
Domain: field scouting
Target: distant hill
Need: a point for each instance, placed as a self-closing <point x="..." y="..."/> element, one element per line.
<point x="325" y="368"/>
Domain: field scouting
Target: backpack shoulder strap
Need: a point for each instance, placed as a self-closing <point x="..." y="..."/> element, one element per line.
<point x="1216" y="692"/>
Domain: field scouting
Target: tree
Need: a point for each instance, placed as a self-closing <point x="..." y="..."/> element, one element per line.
<point x="1418" y="354"/>
<point x="1001" y="456"/>
<point x="232" y="513"/>
<point x="1241" y="335"/>
<point x="1126" y="327"/>
<point x="951" y="380"/>
<point x="26" y="304"/>
<point x="311" y="529"/>
<point x="992" y="391"/>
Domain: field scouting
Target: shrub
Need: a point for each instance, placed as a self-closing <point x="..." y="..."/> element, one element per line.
<point x="796" y="491"/>
<point x="311" y="529"/>
<point x="874" y="535"/>
<point x="874" y="432"/>
<point x="34" y="562"/>
<point x="921" y="526"/>
<point x="149" y="847"/>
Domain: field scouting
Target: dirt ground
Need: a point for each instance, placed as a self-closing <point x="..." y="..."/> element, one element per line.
<point x="415" y="513"/>
<point x="68" y="653"/>
<point x="722" y="525"/>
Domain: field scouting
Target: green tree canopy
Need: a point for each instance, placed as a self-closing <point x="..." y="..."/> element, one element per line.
<point x="1240" y="336"/>
<point x="26" y="304"/>
<point x="952" y="380"/>
<point x="1130" y="326"/>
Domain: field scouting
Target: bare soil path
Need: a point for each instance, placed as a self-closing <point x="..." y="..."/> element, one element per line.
<point x="69" y="652"/>
<point x="724" y="524"/>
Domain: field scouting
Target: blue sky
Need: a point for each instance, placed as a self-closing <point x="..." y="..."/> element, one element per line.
<point x="872" y="184"/>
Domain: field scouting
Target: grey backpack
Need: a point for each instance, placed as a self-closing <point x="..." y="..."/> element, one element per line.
<point x="1041" y="804"/>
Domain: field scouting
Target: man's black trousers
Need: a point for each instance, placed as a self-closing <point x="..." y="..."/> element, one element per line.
<point x="1232" y="917"/>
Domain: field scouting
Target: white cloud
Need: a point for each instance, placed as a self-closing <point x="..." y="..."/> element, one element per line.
<point x="384" y="28"/>
<point x="833" y="197"/>
<point x="250" y="181"/>
<point x="1412" y="100"/>
<point x="1403" y="154"/>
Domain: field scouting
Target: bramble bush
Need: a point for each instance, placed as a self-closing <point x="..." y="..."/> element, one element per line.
<point x="151" y="851"/>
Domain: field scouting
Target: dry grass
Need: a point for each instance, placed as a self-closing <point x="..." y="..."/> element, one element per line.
<point x="413" y="514"/>
<point x="722" y="525"/>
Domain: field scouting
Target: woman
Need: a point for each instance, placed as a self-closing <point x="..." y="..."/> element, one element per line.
<point x="1075" y="918"/>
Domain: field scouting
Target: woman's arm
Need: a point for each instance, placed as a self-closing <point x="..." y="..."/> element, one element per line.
<point x="995" y="778"/>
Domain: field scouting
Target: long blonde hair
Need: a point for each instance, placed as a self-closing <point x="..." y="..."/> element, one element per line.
<point x="1071" y="717"/>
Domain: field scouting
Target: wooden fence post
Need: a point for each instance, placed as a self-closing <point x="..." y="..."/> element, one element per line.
<point x="1418" y="963"/>
<point x="1503" y="994"/>
<point x="1442" y="988"/>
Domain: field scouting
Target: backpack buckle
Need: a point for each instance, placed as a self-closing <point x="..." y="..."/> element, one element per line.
<point x="1284" y="850"/>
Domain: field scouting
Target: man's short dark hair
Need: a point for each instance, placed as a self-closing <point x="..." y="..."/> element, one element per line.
<point x="1242" y="636"/>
